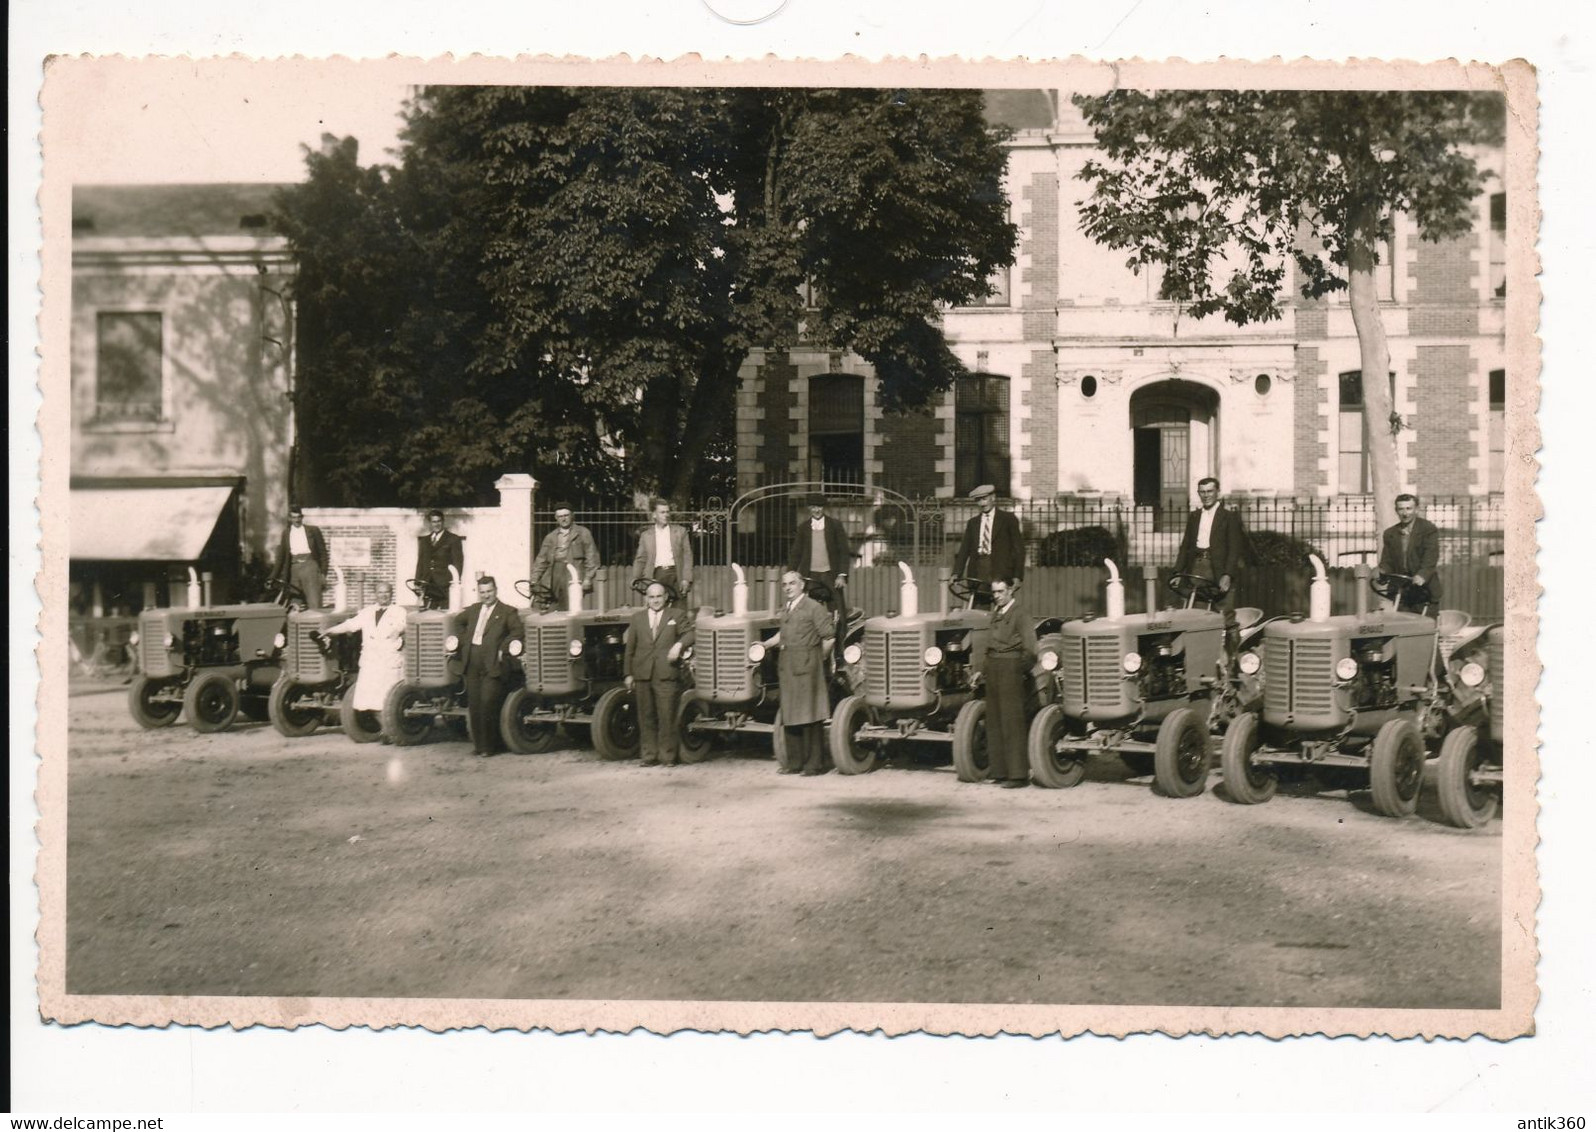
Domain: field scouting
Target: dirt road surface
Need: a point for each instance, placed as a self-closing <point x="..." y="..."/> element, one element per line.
<point x="249" y="864"/>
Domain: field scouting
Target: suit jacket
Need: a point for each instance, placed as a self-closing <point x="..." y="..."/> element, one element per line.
<point x="488" y="658"/>
<point x="318" y="551"/>
<point x="432" y="563"/>
<point x="838" y="550"/>
<point x="647" y="655"/>
<point x="1424" y="552"/>
<point x="801" y="662"/>
<point x="1008" y="547"/>
<point x="580" y="551"/>
<point x="643" y="564"/>
<point x="1227" y="543"/>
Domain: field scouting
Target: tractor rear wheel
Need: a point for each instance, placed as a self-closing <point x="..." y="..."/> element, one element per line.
<point x="398" y="726"/>
<point x="147" y="711"/>
<point x="291" y="719"/>
<point x="693" y="746"/>
<point x="1050" y="767"/>
<point x="1463" y="803"/>
<point x="1180" y="759"/>
<point x="1245" y="783"/>
<point x="522" y="735"/>
<point x="360" y="726"/>
<point x="970" y="757"/>
<point x="848" y="754"/>
<point x="615" y="731"/>
<point x="1396" y="768"/>
<point x="211" y="702"/>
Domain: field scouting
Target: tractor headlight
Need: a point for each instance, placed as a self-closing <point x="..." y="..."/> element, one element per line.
<point x="280" y="641"/>
<point x="933" y="657"/>
<point x="451" y="643"/>
<point x="1346" y="668"/>
<point x="575" y="647"/>
<point x="1249" y="663"/>
<point x="853" y="654"/>
<point x="169" y="641"/>
<point x="1132" y="662"/>
<point x="515" y="647"/>
<point x="133" y="638"/>
<point x="756" y="653"/>
<point x="1472" y="674"/>
<point x="1049" y="661"/>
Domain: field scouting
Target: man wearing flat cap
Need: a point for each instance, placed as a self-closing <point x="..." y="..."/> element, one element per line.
<point x="567" y="555"/>
<point x="992" y="548"/>
<point x="822" y="552"/>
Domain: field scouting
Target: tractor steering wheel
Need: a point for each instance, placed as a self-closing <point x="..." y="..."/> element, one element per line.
<point x="964" y="588"/>
<point x="535" y="592"/>
<point x="640" y="586"/>
<point x="1204" y="589"/>
<point x="284" y="592"/>
<point x="1392" y="586"/>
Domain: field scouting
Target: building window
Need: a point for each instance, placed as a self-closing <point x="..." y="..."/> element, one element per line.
<point x="1262" y="384"/>
<point x="127" y="375"/>
<point x="836" y="428"/>
<point x="981" y="433"/>
<point x="1353" y="453"/>
<point x="998" y="281"/>
<point x="1499" y="245"/>
<point x="1496" y="470"/>
<point x="1384" y="274"/>
<point x="1088" y="387"/>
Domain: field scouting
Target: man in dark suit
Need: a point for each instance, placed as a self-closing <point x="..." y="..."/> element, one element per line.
<point x="664" y="553"/>
<point x="1213" y="547"/>
<point x="992" y="547"/>
<point x="805" y="635"/>
<point x="1010" y="652"/>
<point x="301" y="560"/>
<point x="1412" y="547"/>
<point x="654" y="643"/>
<point x="821" y="552"/>
<point x="436" y="551"/>
<point x="486" y="630"/>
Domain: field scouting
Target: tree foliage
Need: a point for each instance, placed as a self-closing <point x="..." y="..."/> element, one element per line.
<point x="1227" y="191"/>
<point x="567" y="280"/>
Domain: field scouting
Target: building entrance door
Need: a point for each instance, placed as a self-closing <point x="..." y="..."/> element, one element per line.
<point x="1167" y="418"/>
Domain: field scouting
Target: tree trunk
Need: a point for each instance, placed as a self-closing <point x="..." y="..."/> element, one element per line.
<point x="714" y="395"/>
<point x="1375" y="359"/>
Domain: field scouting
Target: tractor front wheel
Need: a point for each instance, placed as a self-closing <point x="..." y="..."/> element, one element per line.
<point x="849" y="755"/>
<point x="970" y="757"/>
<point x="286" y="715"/>
<point x="615" y="731"/>
<point x="400" y="727"/>
<point x="694" y="746"/>
<point x="1180" y="759"/>
<point x="147" y="710"/>
<point x="522" y="735"/>
<point x="211" y="702"/>
<point x="1245" y="783"/>
<point x="360" y="726"/>
<point x="1050" y="767"/>
<point x="1396" y="768"/>
<point x="1463" y="803"/>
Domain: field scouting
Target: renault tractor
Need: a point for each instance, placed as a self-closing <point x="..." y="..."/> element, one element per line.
<point x="1354" y="697"/>
<point x="573" y="663"/>
<point x="432" y="691"/>
<point x="1148" y="687"/>
<point x="736" y="689"/>
<point x="212" y="663"/>
<point x="1469" y="776"/>
<point x="317" y="670"/>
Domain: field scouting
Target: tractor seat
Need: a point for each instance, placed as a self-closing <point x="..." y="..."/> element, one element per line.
<point x="1451" y="622"/>
<point x="1247" y="616"/>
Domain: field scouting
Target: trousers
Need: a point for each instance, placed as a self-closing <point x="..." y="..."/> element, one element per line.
<point x="656" y="719"/>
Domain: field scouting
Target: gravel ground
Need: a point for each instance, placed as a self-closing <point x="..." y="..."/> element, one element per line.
<point x="249" y="864"/>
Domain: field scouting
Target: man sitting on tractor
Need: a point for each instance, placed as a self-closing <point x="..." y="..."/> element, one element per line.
<point x="1411" y="549"/>
<point x="1213" y="547"/>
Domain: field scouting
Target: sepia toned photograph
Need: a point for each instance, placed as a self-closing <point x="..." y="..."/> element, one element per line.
<point x="1025" y="549"/>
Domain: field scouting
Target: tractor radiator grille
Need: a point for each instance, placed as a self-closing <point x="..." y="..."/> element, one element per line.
<point x="1298" y="677"/>
<point x="1498" y="678"/>
<point x="892" y="665"/>
<point x="424" y="659"/>
<point x="153" y="658"/>
<point x="728" y="662"/>
<point x="547" y="657"/>
<point x="1091" y="668"/>
<point x="304" y="658"/>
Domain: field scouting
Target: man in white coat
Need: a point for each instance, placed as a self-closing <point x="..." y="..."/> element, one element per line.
<point x="382" y="663"/>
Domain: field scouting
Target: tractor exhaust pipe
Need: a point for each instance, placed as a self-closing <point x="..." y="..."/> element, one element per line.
<point x="1318" y="591"/>
<point x="340" y="589"/>
<point x="908" y="593"/>
<point x="1361" y="570"/>
<point x="598" y="590"/>
<point x="196" y="599"/>
<point x="1150" y="592"/>
<point x="573" y="593"/>
<point x="739" y="591"/>
<point x="1114" y="597"/>
<point x="454" y="588"/>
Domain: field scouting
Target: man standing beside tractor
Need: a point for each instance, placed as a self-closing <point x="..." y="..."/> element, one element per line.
<point x="992" y="547"/>
<point x="1412" y="548"/>
<point x="487" y="628"/>
<point x="302" y="560"/>
<point x="663" y="553"/>
<point x="805" y="637"/>
<point x="568" y="554"/>
<point x="821" y="552"/>
<point x="1213" y="547"/>
<point x="1010" y="651"/>
<point x="436" y="551"/>
<point x="381" y="626"/>
<point x="654" y="643"/>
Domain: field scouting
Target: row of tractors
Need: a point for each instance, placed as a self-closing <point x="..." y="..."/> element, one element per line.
<point x="1351" y="700"/>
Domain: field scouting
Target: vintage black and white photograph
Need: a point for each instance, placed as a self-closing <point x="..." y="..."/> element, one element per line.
<point x="1034" y="551"/>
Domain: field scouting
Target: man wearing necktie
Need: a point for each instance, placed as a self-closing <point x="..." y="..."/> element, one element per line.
<point x="993" y="547"/>
<point x="804" y="635"/>
<point x="382" y="637"/>
<point x="436" y="551"/>
<point x="654" y="643"/>
<point x="1212" y="548"/>
<point x="486" y="630"/>
<point x="1010" y="652"/>
<point x="1412" y="547"/>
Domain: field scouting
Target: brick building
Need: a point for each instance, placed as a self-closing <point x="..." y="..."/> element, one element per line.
<point x="1086" y="385"/>
<point x="181" y="369"/>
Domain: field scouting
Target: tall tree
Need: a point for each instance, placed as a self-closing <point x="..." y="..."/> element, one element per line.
<point x="586" y="270"/>
<point x="1227" y="189"/>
